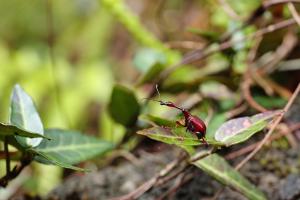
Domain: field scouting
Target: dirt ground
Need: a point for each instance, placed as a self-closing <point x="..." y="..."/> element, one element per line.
<point x="275" y="170"/>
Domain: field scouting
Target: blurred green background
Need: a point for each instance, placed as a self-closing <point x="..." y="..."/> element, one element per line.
<point x="69" y="54"/>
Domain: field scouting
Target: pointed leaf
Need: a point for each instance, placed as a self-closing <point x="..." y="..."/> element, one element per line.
<point x="217" y="167"/>
<point x="23" y="114"/>
<point x="69" y="147"/>
<point x="177" y="136"/>
<point x="11" y="130"/>
<point x="158" y="120"/>
<point x="124" y="107"/>
<point x="240" y="129"/>
<point x="151" y="74"/>
<point x="50" y="159"/>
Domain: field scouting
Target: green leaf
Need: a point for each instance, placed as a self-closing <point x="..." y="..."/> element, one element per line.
<point x="158" y="120"/>
<point x="216" y="90"/>
<point x="11" y="130"/>
<point x="23" y="114"/>
<point x="124" y="107"/>
<point x="189" y="77"/>
<point x="213" y="125"/>
<point x="240" y="129"/>
<point x="69" y="147"/>
<point x="270" y="102"/>
<point x="177" y="136"/>
<point x="151" y="74"/>
<point x="208" y="35"/>
<point x="217" y="167"/>
<point x="53" y="160"/>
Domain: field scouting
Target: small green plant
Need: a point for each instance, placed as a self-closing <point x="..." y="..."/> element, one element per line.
<point x="229" y="133"/>
<point x="221" y="133"/>
<point x="26" y="133"/>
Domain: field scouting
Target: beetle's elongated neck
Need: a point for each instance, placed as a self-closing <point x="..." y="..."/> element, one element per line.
<point x="185" y="113"/>
<point x="172" y="105"/>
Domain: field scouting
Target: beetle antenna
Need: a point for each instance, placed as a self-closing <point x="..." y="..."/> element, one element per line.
<point x="150" y="99"/>
<point x="156" y="87"/>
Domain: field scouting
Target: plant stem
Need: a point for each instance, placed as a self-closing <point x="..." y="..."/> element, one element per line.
<point x="268" y="135"/>
<point x="7" y="157"/>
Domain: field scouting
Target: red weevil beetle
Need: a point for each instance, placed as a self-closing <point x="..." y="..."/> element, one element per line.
<point x="192" y="123"/>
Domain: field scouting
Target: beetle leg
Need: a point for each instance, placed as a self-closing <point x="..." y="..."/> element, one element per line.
<point x="201" y="137"/>
<point x="190" y="127"/>
<point x="179" y="123"/>
<point x="204" y="141"/>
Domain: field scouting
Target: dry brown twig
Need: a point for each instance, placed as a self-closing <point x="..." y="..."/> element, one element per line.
<point x="150" y="183"/>
<point x="268" y="135"/>
<point x="200" y="54"/>
<point x="163" y="173"/>
<point x="171" y="176"/>
<point x="180" y="180"/>
<point x="236" y="111"/>
<point x="257" y="146"/>
<point x="294" y="12"/>
<point x="251" y="147"/>
<point x="185" y="45"/>
<point x="229" y="10"/>
<point x="246" y="91"/>
<point x="257" y="74"/>
<point x="288" y="133"/>
<point x="289" y="42"/>
<point x="12" y="174"/>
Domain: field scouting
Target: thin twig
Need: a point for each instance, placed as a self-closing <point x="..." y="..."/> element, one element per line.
<point x="246" y="90"/>
<point x="268" y="135"/>
<point x="236" y="111"/>
<point x="294" y="12"/>
<point x="287" y="132"/>
<point x="169" y="168"/>
<point x="263" y="83"/>
<point x="275" y="2"/>
<point x="12" y="155"/>
<point x="174" y="175"/>
<point x="185" y="45"/>
<point x="125" y="154"/>
<point x="25" y="160"/>
<point x="279" y="89"/>
<point x="253" y="51"/>
<point x="180" y="180"/>
<point x="250" y="147"/>
<point x="200" y="54"/>
<point x="150" y="183"/>
<point x="229" y="10"/>
<point x="289" y="42"/>
<point x="202" y="154"/>
<point x="218" y="193"/>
